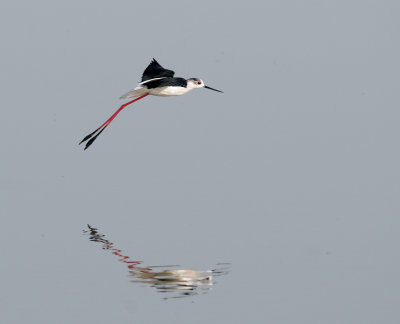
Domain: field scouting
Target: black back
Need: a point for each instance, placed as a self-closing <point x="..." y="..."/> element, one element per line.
<point x="165" y="82"/>
<point x="155" y="70"/>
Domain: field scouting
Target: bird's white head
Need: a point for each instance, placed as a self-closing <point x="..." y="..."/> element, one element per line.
<point x="194" y="83"/>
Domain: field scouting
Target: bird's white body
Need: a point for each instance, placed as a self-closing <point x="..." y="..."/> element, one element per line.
<point x="163" y="92"/>
<point x="167" y="91"/>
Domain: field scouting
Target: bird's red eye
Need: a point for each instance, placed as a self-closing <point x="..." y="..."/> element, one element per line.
<point x="198" y="82"/>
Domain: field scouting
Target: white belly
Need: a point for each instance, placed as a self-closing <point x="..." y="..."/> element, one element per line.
<point x="168" y="91"/>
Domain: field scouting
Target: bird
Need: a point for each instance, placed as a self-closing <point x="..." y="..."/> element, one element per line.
<point x="156" y="81"/>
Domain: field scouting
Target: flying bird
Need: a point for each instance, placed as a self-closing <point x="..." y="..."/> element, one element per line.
<point x="156" y="81"/>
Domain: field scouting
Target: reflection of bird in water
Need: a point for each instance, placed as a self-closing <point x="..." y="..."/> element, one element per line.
<point x="169" y="278"/>
<point x="188" y="282"/>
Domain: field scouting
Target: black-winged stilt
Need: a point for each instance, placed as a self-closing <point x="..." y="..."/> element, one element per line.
<point x="156" y="81"/>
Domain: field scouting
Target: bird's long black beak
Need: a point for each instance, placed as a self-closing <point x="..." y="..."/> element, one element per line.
<point x="213" y="89"/>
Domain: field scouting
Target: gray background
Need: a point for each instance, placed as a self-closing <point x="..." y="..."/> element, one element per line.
<point x="291" y="175"/>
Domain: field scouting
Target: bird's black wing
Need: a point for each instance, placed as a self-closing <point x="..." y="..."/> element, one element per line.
<point x="155" y="70"/>
<point x="166" y="82"/>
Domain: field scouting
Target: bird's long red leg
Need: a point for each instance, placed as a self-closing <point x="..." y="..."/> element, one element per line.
<point x="93" y="137"/>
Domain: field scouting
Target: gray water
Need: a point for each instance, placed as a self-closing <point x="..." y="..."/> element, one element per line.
<point x="274" y="202"/>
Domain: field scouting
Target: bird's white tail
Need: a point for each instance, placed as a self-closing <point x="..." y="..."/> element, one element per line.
<point x="138" y="91"/>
